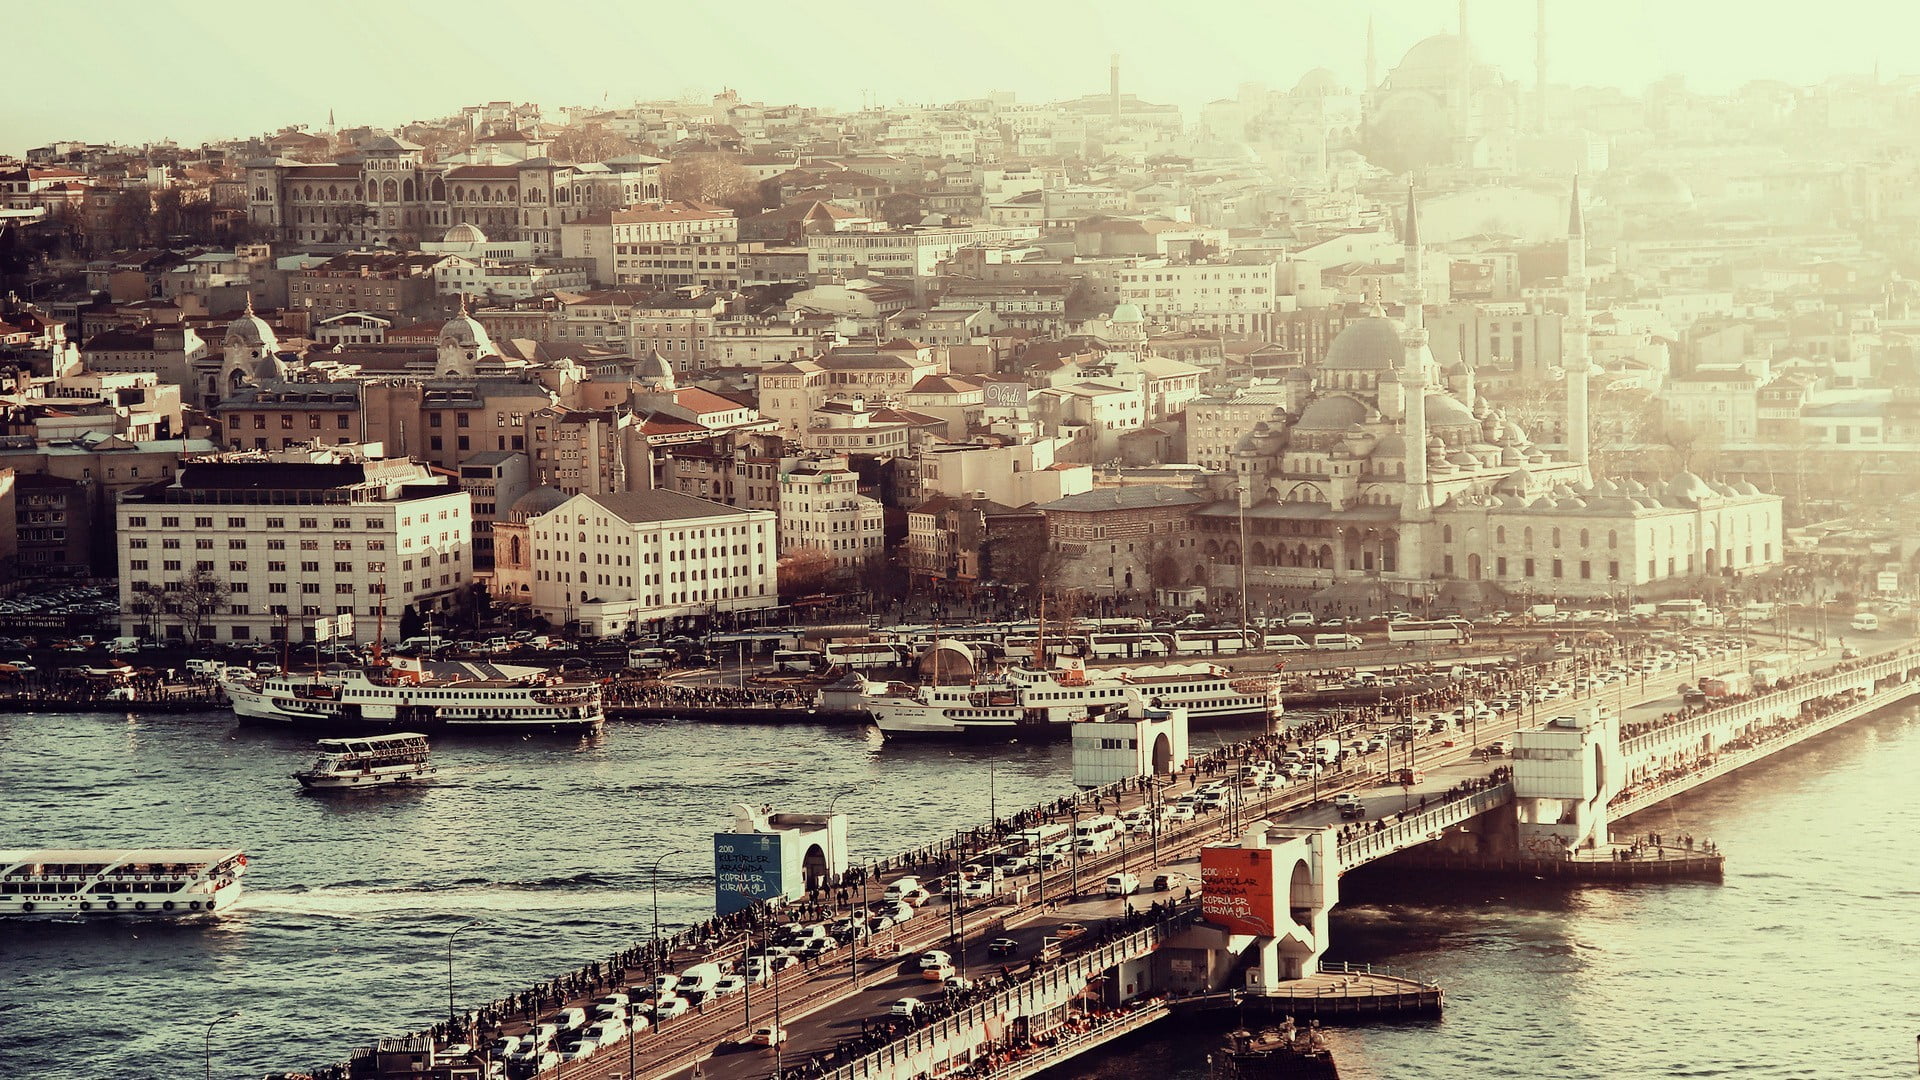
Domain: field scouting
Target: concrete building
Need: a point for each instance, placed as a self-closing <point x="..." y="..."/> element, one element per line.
<point x="1012" y="474"/>
<point x="288" y="537"/>
<point x="618" y="561"/>
<point x="821" y="507"/>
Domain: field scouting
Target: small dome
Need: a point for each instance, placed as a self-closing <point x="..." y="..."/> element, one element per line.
<point x="251" y="330"/>
<point x="464" y="233"/>
<point x="1335" y="413"/>
<point x="540" y="500"/>
<point x="1369" y="344"/>
<point x="1688" y="487"/>
<point x="1127" y="313"/>
<point x="1317" y="83"/>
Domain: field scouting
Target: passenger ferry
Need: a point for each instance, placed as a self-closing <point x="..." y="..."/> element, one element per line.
<point x="1033" y="702"/>
<point x="407" y="694"/>
<point x="371" y="761"/>
<point x="160" y="882"/>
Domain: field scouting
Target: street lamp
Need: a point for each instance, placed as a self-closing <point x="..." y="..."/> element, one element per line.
<point x="206" y="1042"/>
<point x="654" y="884"/>
<point x="450" y="937"/>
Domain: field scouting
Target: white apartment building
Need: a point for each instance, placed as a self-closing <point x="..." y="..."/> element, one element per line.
<point x="658" y="244"/>
<point x="821" y="507"/>
<point x="516" y="280"/>
<point x="616" y="561"/>
<point x="1018" y="474"/>
<point x="903" y="253"/>
<point x="288" y="538"/>
<point x="1217" y="422"/>
<point x="1216" y="296"/>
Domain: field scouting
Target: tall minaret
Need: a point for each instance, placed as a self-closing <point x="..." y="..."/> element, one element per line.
<point x="1373" y="68"/>
<point x="1465" y="76"/>
<point x="1416" y="506"/>
<point x="1113" y="84"/>
<point x="1540" y="69"/>
<point x="1574" y="345"/>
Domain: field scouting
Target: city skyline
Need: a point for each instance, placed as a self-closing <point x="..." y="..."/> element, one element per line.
<point x="777" y="56"/>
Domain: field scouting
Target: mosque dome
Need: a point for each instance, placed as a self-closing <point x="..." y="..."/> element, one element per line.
<point x="539" y="501"/>
<point x="1445" y="410"/>
<point x="1688" y="487"/>
<point x="1439" y="58"/>
<point x="1657" y="191"/>
<point x="1127" y="313"/>
<point x="466" y="332"/>
<point x="464" y="233"/>
<point x="1368" y="344"/>
<point x="1319" y="82"/>
<point x="251" y="331"/>
<point x="1336" y="412"/>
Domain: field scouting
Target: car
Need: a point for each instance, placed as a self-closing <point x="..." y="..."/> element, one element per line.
<point x="979" y="890"/>
<point x="728" y="984"/>
<point x="1069" y="930"/>
<point x="1004" y="946"/>
<point x="1180" y="812"/>
<point x="1169" y="880"/>
<point x="908" y="1007"/>
<point x="934" y="958"/>
<point x="768" y="1035"/>
<point x="938" y="974"/>
<point x="670" y="1006"/>
<point x="958" y="984"/>
<point x="1498" y="747"/>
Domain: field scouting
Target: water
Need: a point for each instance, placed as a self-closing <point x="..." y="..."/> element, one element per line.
<point x="1799" y="965"/>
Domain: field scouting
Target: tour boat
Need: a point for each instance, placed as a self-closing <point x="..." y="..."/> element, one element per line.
<point x="1040" y="703"/>
<point x="369" y="761"/>
<point x="406" y="694"/>
<point x="160" y="882"/>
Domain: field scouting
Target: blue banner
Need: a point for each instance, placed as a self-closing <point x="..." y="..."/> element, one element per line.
<point x="746" y="868"/>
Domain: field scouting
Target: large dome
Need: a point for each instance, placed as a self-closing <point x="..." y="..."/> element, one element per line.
<point x="465" y="233"/>
<point x="251" y="329"/>
<point x="540" y="500"/>
<point x="466" y="332"/>
<point x="1369" y="344"/>
<point x="1439" y="58"/>
<point x="1336" y="412"/>
<point x="1317" y="83"/>
<point x="1445" y="410"/>
<point x="1127" y="313"/>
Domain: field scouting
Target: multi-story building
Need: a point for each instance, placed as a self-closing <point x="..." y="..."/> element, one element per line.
<point x="911" y="254"/>
<point x="1222" y="297"/>
<point x="821" y="507"/>
<point x="613" y="562"/>
<point x="256" y="547"/>
<point x="496" y="479"/>
<point x="283" y="414"/>
<point x="1015" y="474"/>
<point x="52" y="522"/>
<point x="392" y="286"/>
<point x="661" y="245"/>
<point x="966" y="540"/>
<point x="678" y="327"/>
<point x="1123" y="541"/>
<point x="1216" y="422"/>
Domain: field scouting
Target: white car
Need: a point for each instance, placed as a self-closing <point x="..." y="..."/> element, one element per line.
<point x="729" y="984"/>
<point x="908" y="1007"/>
<point x="768" y="1035"/>
<point x="934" y="958"/>
<point x="669" y="1007"/>
<point x="978" y="890"/>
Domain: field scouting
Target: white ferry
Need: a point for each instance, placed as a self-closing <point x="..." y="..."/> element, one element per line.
<point x="161" y="882"/>
<point x="370" y="761"/>
<point x="1036" y="703"/>
<point x="406" y="694"/>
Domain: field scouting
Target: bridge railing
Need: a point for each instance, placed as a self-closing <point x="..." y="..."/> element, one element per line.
<point x="1068" y="975"/>
<point x="1764" y="705"/>
<point x="1409" y="831"/>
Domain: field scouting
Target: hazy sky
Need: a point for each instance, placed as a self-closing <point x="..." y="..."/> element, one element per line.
<point x="118" y="70"/>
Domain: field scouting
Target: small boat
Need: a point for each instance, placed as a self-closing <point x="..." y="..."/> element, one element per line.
<point x="369" y="761"/>
<point x="157" y="882"/>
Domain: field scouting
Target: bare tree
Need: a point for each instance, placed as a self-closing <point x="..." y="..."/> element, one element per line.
<point x="709" y="178"/>
<point x="804" y="571"/>
<point x="195" y="599"/>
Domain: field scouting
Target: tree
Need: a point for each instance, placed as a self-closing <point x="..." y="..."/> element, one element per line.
<point x="709" y="178"/>
<point x="804" y="571"/>
<point x="590" y="142"/>
<point x="882" y="577"/>
<point x="131" y="220"/>
<point x="195" y="600"/>
<point x="1025" y="559"/>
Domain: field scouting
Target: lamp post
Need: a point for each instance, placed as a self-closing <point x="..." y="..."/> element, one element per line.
<point x="206" y="1042"/>
<point x="654" y="884"/>
<point x="450" y="936"/>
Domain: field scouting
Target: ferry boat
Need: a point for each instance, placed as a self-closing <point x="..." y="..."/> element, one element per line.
<point x="370" y="761"/>
<point x="159" y="882"/>
<point x="407" y="694"/>
<point x="1041" y="703"/>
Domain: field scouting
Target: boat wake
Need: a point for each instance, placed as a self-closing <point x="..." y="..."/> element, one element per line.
<point x="362" y="902"/>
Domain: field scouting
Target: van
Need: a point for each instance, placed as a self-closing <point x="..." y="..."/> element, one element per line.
<point x="1091" y="845"/>
<point x="421" y="644"/>
<point x="697" y="981"/>
<point x="1300" y="618"/>
<point x="900" y="887"/>
<point x="1867" y="621"/>
<point x="123" y="645"/>
<point x="1285" y="643"/>
<point x="206" y="669"/>
<point x="1122" y="885"/>
<point x="569" y="1019"/>
<point x="1335" y="641"/>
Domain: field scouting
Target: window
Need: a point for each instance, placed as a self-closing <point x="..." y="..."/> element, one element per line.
<point x="1527" y="568"/>
<point x="342" y="523"/>
<point x="236" y="543"/>
<point x="276" y="544"/>
<point x="236" y="523"/>
<point x="276" y="523"/>
<point x="309" y="567"/>
<point x="309" y="523"/>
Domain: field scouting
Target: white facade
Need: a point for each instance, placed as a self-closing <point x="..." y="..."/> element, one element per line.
<point x="821" y="507"/>
<point x="617" y="560"/>
<point x="303" y="536"/>
<point x="1020" y="474"/>
<point x="903" y="253"/>
<point x="1209" y="296"/>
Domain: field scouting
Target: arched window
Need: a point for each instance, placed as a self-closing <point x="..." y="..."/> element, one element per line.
<point x="1584" y="538"/>
<point x="459" y="192"/>
<point x="1500" y="535"/>
<point x="309" y="191"/>
<point x="1613" y="538"/>
<point x="1556" y="538"/>
<point x="406" y="189"/>
<point x="511" y="193"/>
<point x="439" y="190"/>
<point x="1526" y="537"/>
<point x="389" y="191"/>
<point x="1446" y="534"/>
<point x="359" y="193"/>
<point x="260" y="194"/>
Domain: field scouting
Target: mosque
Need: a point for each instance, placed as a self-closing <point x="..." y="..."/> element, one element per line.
<point x="1441" y="106"/>
<point x="1395" y="481"/>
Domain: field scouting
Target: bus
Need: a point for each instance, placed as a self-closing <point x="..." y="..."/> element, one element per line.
<point x="1020" y="646"/>
<point x="800" y="660"/>
<point x="1127" y="646"/>
<point x="1455" y="631"/>
<point x="1212" y="642"/>
<point x="1691" y="612"/>
<point x="1113" y="626"/>
<point x="865" y="655"/>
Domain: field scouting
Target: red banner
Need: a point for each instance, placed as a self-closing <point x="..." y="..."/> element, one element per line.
<point x="1236" y="889"/>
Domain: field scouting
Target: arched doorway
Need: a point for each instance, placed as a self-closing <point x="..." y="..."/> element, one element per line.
<point x="1162" y="755"/>
<point x="813" y="867"/>
<point x="1473" y="567"/>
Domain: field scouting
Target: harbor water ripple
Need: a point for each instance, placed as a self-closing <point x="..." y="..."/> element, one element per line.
<point x="1800" y="965"/>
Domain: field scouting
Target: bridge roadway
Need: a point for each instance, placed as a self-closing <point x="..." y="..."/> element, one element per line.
<point x="852" y="989"/>
<point x="823" y="1006"/>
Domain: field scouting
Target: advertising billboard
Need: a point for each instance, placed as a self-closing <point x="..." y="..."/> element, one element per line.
<point x="746" y="868"/>
<point x="1237" y="889"/>
<point x="1004" y="395"/>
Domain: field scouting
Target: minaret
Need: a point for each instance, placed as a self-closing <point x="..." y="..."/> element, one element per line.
<point x="1465" y="76"/>
<point x="1113" y="84"/>
<point x="1373" y="69"/>
<point x="1574" y="359"/>
<point x="1416" y="506"/>
<point x="1540" y="69"/>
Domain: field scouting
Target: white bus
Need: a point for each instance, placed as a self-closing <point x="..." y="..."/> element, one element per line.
<point x="1211" y="642"/>
<point x="1096" y="833"/>
<point x="1456" y="631"/>
<point x="863" y="655"/>
<point x="802" y="660"/>
<point x="1691" y="612"/>
<point x="1113" y="626"/>
<point x="1127" y="646"/>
